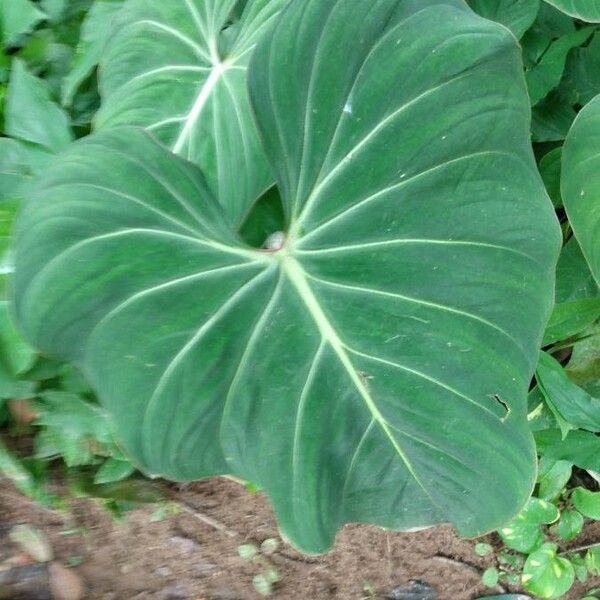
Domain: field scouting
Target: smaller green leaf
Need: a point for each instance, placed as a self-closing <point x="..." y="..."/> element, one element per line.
<point x="269" y="546"/>
<point x="546" y="75"/>
<point x="570" y="318"/>
<point x="592" y="561"/>
<point x="587" y="502"/>
<point x="581" y="448"/>
<point x="262" y="585"/>
<point x="574" y="280"/>
<point x="550" y="171"/>
<point x="18" y="17"/>
<point x="581" y="570"/>
<point x="570" y="525"/>
<point x="547" y="575"/>
<point x="247" y="551"/>
<point x="482" y="549"/>
<point x="94" y="32"/>
<point x="552" y="119"/>
<point x="524" y="533"/>
<point x="552" y="478"/>
<point x="31" y="115"/>
<point x="114" y="470"/>
<point x="490" y="577"/>
<point x="567" y="401"/>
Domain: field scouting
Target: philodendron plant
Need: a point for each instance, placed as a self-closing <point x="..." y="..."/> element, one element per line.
<point x="370" y="360"/>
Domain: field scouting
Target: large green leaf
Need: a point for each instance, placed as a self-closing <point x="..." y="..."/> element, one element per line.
<point x="178" y="70"/>
<point x="580" y="182"/>
<point x="586" y="10"/>
<point x="372" y="365"/>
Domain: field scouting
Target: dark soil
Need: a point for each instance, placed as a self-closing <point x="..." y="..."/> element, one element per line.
<point x="183" y="557"/>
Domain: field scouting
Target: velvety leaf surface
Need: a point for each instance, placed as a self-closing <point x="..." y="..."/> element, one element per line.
<point x="374" y="365"/>
<point x="206" y="116"/>
<point x="581" y="182"/>
<point x="586" y="10"/>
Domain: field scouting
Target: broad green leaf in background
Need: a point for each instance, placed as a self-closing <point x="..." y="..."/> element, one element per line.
<point x="546" y="574"/>
<point x="524" y="533"/>
<point x="587" y="502"/>
<point x="176" y="69"/>
<point x="552" y="119"/>
<point x="550" y="171"/>
<point x="17" y="17"/>
<point x="572" y="403"/>
<point x="586" y="10"/>
<point x="583" y="71"/>
<point x="574" y="280"/>
<point x="584" y="365"/>
<point x="570" y="318"/>
<point x="582" y="448"/>
<point x="356" y="371"/>
<point x="30" y="113"/>
<point x="517" y="15"/>
<point x="581" y="182"/>
<point x="95" y="29"/>
<point x="546" y="75"/>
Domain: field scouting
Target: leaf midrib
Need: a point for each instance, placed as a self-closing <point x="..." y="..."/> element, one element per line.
<point x="298" y="278"/>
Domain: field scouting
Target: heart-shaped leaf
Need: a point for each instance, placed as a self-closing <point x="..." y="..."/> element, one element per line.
<point x="547" y="575"/>
<point x="372" y="365"/>
<point x="179" y="69"/>
<point x="524" y="533"/>
<point x="586" y="10"/>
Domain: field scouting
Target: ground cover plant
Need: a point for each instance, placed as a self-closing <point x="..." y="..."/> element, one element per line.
<point x="317" y="246"/>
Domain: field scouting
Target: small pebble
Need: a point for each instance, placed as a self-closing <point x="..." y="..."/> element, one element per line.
<point x="413" y="590"/>
<point x="176" y="592"/>
<point x="32" y="541"/>
<point x="65" y="584"/>
<point x="163" y="571"/>
<point x="185" y="545"/>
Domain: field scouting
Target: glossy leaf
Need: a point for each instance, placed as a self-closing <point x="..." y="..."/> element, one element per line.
<point x="206" y="116"/>
<point x="587" y="502"/>
<point x="571" y="402"/>
<point x="581" y="182"/>
<point x="553" y="476"/>
<point x="586" y="10"/>
<point x="582" y="448"/>
<point x="592" y="561"/>
<point x="570" y="525"/>
<point x="584" y="366"/>
<point x="524" y="533"/>
<point x="357" y="371"/>
<point x="517" y="15"/>
<point x="546" y="574"/>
